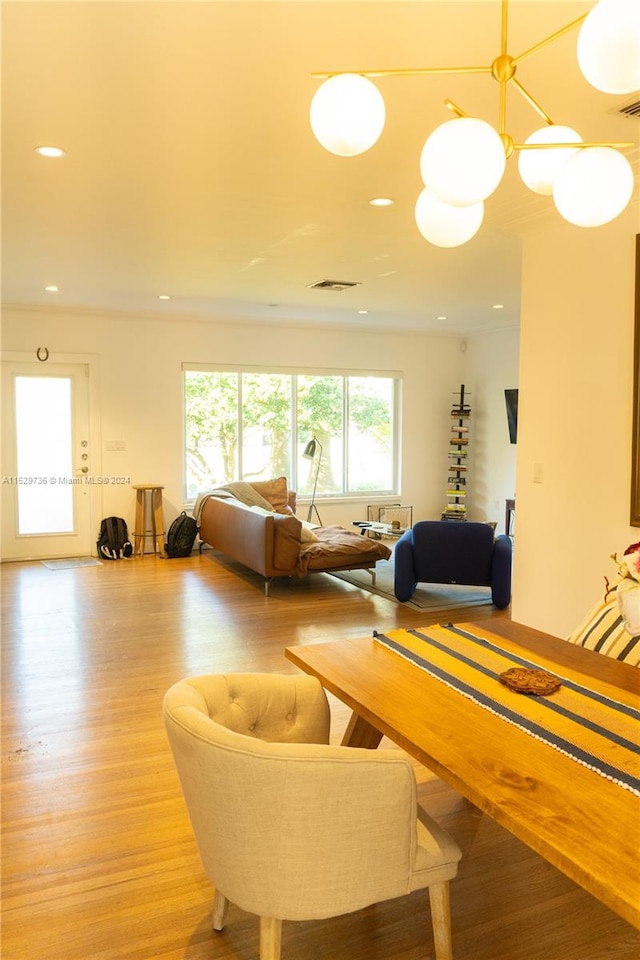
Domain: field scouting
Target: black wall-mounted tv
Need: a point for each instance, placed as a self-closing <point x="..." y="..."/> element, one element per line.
<point x="511" y="400"/>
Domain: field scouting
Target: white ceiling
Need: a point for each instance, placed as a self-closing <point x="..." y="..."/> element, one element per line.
<point x="191" y="169"/>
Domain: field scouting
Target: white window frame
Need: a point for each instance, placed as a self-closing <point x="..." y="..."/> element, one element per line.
<point x="294" y="373"/>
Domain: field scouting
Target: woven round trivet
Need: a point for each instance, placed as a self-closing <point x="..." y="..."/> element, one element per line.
<point x="537" y="682"/>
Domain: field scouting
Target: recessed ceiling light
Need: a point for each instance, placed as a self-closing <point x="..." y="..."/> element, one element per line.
<point x="51" y="289"/>
<point x="441" y="318"/>
<point x="381" y="202"/>
<point x="363" y="311"/>
<point x="164" y="296"/>
<point x="50" y="151"/>
<point x="498" y="306"/>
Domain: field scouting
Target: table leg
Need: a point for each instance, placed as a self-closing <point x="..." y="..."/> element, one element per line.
<point x="141" y="519"/>
<point x="158" y="521"/>
<point x="360" y="733"/>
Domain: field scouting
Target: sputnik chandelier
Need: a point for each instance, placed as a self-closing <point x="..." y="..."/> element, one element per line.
<point x="464" y="159"/>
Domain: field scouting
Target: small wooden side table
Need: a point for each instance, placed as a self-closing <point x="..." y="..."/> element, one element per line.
<point x="156" y="516"/>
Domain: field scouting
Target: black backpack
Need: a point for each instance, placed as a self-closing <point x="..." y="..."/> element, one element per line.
<point x="181" y="536"/>
<point x="113" y="542"/>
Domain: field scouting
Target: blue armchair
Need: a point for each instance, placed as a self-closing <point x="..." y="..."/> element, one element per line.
<point x="444" y="551"/>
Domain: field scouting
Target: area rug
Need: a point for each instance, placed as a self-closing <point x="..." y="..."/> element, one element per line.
<point x="428" y="596"/>
<point x="70" y="562"/>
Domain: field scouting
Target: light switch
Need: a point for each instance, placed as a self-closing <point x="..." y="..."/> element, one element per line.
<point x="537" y="472"/>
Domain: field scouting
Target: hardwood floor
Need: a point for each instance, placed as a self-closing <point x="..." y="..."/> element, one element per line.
<point x="98" y="857"/>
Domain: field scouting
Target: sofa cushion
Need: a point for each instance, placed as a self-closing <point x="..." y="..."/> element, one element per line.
<point x="246" y="493"/>
<point x="276" y="492"/>
<point x="338" y="549"/>
<point x="286" y="542"/>
<point x="264" y="512"/>
<point x="603" y="631"/>
<point x="308" y="534"/>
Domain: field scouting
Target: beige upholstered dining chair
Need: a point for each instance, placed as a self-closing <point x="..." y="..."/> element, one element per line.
<point x="289" y="827"/>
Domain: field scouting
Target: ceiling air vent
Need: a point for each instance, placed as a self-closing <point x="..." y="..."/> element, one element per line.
<point x="631" y="109"/>
<point x="332" y="285"/>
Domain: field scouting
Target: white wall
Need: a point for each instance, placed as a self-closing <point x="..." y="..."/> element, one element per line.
<point x="492" y="367"/>
<point x="575" y="418"/>
<point x="138" y="363"/>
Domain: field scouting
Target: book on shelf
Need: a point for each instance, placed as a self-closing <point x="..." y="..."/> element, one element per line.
<point x="458" y="451"/>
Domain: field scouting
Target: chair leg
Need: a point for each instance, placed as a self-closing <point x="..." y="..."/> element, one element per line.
<point x="220" y="908"/>
<point x="441" y="920"/>
<point x="270" y="938"/>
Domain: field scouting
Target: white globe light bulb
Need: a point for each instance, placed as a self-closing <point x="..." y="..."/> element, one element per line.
<point x="462" y="161"/>
<point x="445" y="225"/>
<point x="539" y="168"/>
<point x="609" y="46"/>
<point x="347" y="114"/>
<point x="593" y="187"/>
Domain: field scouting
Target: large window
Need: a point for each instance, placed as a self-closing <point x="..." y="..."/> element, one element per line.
<point x="254" y="425"/>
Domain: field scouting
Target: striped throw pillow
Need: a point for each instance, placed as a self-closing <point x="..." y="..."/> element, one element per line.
<point x="603" y="631"/>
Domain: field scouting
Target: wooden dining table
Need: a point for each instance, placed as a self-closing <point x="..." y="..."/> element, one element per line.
<point x="561" y="771"/>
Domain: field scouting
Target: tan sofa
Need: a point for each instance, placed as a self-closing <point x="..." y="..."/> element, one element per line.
<point x="273" y="542"/>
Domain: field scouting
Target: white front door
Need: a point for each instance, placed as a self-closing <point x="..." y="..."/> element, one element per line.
<point x="46" y="461"/>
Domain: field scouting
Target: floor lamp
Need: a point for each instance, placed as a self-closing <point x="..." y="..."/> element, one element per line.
<point x="313" y="448"/>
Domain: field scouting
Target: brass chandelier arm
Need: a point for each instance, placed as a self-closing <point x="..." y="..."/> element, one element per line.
<point x="531" y="101"/>
<point x="504" y="27"/>
<point x="418" y="72"/>
<point x="450" y="105"/>
<point x="550" y="39"/>
<point x="502" y="123"/>
<point x="573" y="146"/>
<point x="426" y="71"/>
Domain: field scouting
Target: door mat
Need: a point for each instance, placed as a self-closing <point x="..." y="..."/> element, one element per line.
<point x="68" y="563"/>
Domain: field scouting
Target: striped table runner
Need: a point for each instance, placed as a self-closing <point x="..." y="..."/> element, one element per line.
<point x="585" y="725"/>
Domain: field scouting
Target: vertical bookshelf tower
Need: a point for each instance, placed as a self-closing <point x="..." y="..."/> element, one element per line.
<point x="456" y="508"/>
